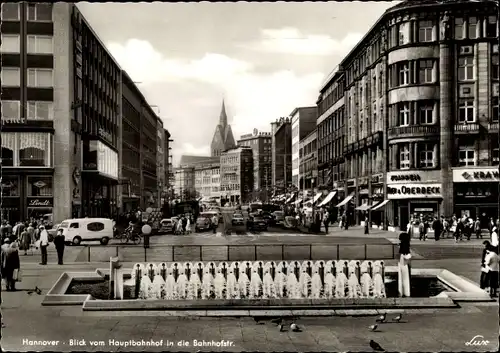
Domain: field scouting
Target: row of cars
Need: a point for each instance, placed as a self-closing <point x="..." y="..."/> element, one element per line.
<point x="258" y="221"/>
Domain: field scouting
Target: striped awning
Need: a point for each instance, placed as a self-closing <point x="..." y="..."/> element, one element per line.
<point x="328" y="198"/>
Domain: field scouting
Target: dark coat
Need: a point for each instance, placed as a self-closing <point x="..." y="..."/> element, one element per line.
<point x="59" y="241"/>
<point x="10" y="262"/>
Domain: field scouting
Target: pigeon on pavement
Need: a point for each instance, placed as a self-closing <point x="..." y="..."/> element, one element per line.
<point x="398" y="318"/>
<point x="375" y="346"/>
<point x="381" y="318"/>
<point x="295" y="328"/>
<point x="282" y="329"/>
<point x="373" y="327"/>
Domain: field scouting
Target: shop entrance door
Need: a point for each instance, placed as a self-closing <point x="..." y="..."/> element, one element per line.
<point x="403" y="217"/>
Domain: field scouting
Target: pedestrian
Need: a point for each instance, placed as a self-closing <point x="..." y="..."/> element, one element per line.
<point x="491" y="261"/>
<point x="483" y="281"/>
<point x="458" y="230"/>
<point x="446" y="227"/>
<point x="494" y="237"/>
<point x="326" y="220"/>
<point x="10" y="265"/>
<point x="24" y="241"/>
<point x="31" y="233"/>
<point x="404" y="265"/>
<point x="184" y="224"/>
<point x="477" y="228"/>
<point x="344" y="221"/>
<point x="44" y="243"/>
<point x="491" y="224"/>
<point x="188" y="225"/>
<point x="367" y="225"/>
<point x="215" y="222"/>
<point x="437" y="227"/>
<point x="422" y="230"/>
<point x="178" y="227"/>
<point x="59" y="242"/>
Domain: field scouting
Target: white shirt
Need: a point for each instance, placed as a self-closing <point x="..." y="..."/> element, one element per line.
<point x="494" y="238"/>
<point x="44" y="238"/>
<point x="491" y="261"/>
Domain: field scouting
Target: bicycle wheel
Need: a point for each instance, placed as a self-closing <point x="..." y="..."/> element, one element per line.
<point x="124" y="238"/>
<point x="136" y="240"/>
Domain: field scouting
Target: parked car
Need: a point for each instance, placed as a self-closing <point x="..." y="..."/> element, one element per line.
<point x="87" y="229"/>
<point x="238" y="219"/>
<point x="256" y="223"/>
<point x="53" y="230"/>
<point x="203" y="224"/>
<point x="167" y="225"/>
<point x="269" y="217"/>
<point x="279" y="217"/>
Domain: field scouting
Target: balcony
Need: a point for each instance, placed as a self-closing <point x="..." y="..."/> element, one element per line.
<point x="412" y="131"/>
<point x="467" y="128"/>
<point x="493" y="127"/>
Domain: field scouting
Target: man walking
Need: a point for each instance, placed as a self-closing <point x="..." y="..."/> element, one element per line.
<point x="215" y="222"/>
<point x="59" y="244"/>
<point x="44" y="243"/>
<point x="438" y="228"/>
<point x="477" y="228"/>
<point x="326" y="220"/>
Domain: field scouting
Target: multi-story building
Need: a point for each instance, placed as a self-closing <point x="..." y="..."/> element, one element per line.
<point x="260" y="143"/>
<point x="236" y="175"/>
<point x="169" y="180"/>
<point x="308" y="169"/>
<point x="184" y="187"/>
<point x="207" y="181"/>
<point x="60" y="87"/>
<point x="427" y="75"/>
<point x="303" y="122"/>
<point x="160" y="159"/>
<point x="281" y="154"/>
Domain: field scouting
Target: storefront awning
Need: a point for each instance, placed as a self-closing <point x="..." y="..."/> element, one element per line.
<point x="346" y="200"/>
<point x="328" y="198"/>
<point x="290" y="198"/>
<point x="380" y="205"/>
<point x="363" y="207"/>
<point x="297" y="202"/>
<point x="317" y="196"/>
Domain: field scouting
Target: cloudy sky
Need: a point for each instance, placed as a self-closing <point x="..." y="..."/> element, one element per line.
<point x="264" y="59"/>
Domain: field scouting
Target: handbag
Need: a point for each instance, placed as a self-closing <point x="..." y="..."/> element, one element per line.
<point x="17" y="275"/>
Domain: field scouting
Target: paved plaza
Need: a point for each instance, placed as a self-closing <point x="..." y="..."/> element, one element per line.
<point x="27" y="323"/>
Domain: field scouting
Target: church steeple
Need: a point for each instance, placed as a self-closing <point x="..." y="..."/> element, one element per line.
<point x="223" y="116"/>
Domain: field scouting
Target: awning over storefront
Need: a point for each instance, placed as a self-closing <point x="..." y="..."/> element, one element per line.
<point x="290" y="198"/>
<point x="363" y="207"/>
<point x="380" y="205"/>
<point x="317" y="196"/>
<point x="345" y="201"/>
<point x="297" y="202"/>
<point x="328" y="198"/>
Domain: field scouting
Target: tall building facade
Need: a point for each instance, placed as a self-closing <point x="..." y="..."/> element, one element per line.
<point x="308" y="168"/>
<point x="303" y="122"/>
<point x="223" y="138"/>
<point x="281" y="154"/>
<point x="185" y="186"/>
<point x="207" y="181"/>
<point x="261" y="145"/>
<point x="421" y="110"/>
<point x="236" y="175"/>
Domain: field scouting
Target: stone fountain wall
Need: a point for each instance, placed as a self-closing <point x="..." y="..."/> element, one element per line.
<point x="259" y="280"/>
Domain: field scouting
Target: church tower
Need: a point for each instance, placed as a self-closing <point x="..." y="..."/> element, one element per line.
<point x="223" y="138"/>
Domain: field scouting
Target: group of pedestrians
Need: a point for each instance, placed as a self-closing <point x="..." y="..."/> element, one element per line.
<point x="489" y="269"/>
<point x="183" y="224"/>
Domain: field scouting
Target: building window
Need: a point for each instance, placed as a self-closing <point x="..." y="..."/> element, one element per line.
<point x="40" y="186"/>
<point x="10" y="11"/>
<point x="494" y="67"/>
<point x="9" y="148"/>
<point x="404" y="114"/>
<point x="404" y="156"/>
<point x="40" y="78"/>
<point x="40" y="45"/>
<point x="425" y="71"/>
<point x="466" y="111"/>
<point x="491" y="27"/>
<point x="34" y="149"/>
<point x="426" y="155"/>
<point x="403" y="33"/>
<point x="426" y="113"/>
<point x="472" y="28"/>
<point x="404" y="73"/>
<point x="40" y="110"/>
<point x="11" y="76"/>
<point x="459" y="28"/>
<point x="11" y="110"/>
<point x="425" y="31"/>
<point x="465" y="68"/>
<point x="494" y="109"/>
<point x="39" y="12"/>
<point x="10" y="43"/>
<point x="495" y="156"/>
<point x="466" y="156"/>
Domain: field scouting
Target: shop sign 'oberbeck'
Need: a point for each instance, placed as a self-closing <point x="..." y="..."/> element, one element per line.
<point x="414" y="191"/>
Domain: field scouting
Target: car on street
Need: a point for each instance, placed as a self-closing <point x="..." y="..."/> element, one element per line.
<point x="279" y="217"/>
<point x="167" y="225"/>
<point x="53" y="230"/>
<point x="238" y="219"/>
<point x="256" y="223"/>
<point x="87" y="229"/>
<point x="202" y="224"/>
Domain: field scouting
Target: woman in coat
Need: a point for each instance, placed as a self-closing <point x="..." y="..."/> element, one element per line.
<point x="24" y="241"/>
<point x="10" y="263"/>
<point x="483" y="281"/>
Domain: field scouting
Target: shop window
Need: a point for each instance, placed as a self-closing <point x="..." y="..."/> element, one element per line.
<point x="426" y="71"/>
<point x="491" y="27"/>
<point x="425" y="31"/>
<point x="10" y="186"/>
<point x="465" y="68"/>
<point x="426" y="155"/>
<point x="34" y="149"/>
<point x="466" y="111"/>
<point x="466" y="156"/>
<point x="472" y="27"/>
<point x="459" y="28"/>
<point x="426" y="113"/>
<point x="11" y="43"/>
<point x="95" y="226"/>
<point x="404" y="156"/>
<point x="40" y="186"/>
<point x="40" y="110"/>
<point x="11" y="76"/>
<point x="404" y="114"/>
<point x="494" y="109"/>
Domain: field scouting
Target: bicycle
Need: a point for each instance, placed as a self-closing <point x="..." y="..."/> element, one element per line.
<point x="130" y="235"/>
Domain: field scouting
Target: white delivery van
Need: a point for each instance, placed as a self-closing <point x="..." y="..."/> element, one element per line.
<point x="86" y="229"/>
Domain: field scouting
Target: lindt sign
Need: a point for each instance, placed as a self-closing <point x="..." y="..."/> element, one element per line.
<point x="40" y="203"/>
